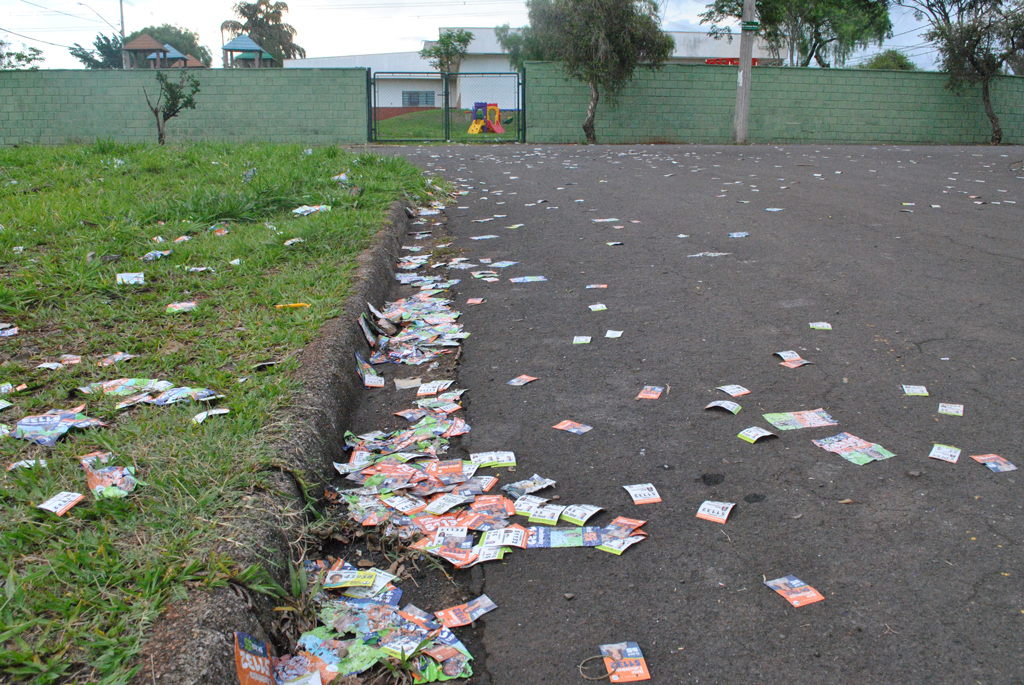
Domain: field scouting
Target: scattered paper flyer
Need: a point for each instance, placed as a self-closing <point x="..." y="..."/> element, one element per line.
<point x="203" y="415"/>
<point x="579" y="513"/>
<point x="650" y="392"/>
<point x="812" y="418"/>
<point x="613" y="243"/>
<point x="572" y="427"/>
<point x="853" y="449"/>
<point x="792" y="359"/>
<point x="755" y="433"/>
<point x="613" y="334"/>
<point x="252" y="660"/>
<point x="797" y="592"/>
<point x="61" y="502"/>
<point x="617" y="546"/>
<point x="994" y="462"/>
<point x="597" y="307"/>
<point x="715" y="511"/>
<point x="521" y="380"/>
<point x="180" y="307"/>
<point x="951" y="409"/>
<point x="527" y="279"/>
<point x="739" y="234"/>
<point x="726" y="405"/>
<point x="945" y="453"/>
<point x="581" y="340"/>
<point x="915" y="390"/>
<point x="475" y="300"/>
<point x="131" y="279"/>
<point x="493" y="459"/>
<point x="643" y="493"/>
<point x="464" y="614"/>
<point x="625" y="662"/>
<point x="597" y="286"/>
<point x="733" y="390"/>
<point x="821" y="326"/>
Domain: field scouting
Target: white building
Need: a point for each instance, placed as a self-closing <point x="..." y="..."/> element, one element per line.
<point x="415" y="84"/>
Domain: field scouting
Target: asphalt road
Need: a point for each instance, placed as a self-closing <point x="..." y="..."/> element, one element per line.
<point x="921" y="567"/>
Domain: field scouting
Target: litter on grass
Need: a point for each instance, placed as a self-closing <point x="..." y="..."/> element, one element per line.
<point x="115" y="358"/>
<point x="180" y="307"/>
<point x="994" y="462"/>
<point x="131" y="279"/>
<point x="306" y="210"/>
<point x="797" y="592"/>
<point x="107" y="481"/>
<point x="715" y="511"/>
<point x="45" y="429"/>
<point x="8" y="330"/>
<point x="812" y="418"/>
<point x="203" y="415"/>
<point x="726" y="405"/>
<point x="755" y="433"/>
<point x="60" y="503"/>
<point x="155" y="255"/>
<point x="854" y="449"/>
<point x="945" y="453"/>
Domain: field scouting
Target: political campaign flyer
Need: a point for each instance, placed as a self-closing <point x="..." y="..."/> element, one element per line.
<point x="513" y="536"/>
<point x="625" y="662"/>
<point x="493" y="459"/>
<point x="945" y="453"/>
<point x="812" y="418"/>
<point x="854" y="449"/>
<point x="734" y="390"/>
<point x="951" y="409"/>
<point x="731" y="407"/>
<point x="994" y="462"/>
<point x="617" y="546"/>
<point x="521" y="380"/>
<point x="464" y="614"/>
<point x="715" y="511"/>
<point x="579" y="513"/>
<point x="525" y="487"/>
<point x="754" y="433"/>
<point x="797" y="592"/>
<point x="546" y="513"/>
<point x="252" y="660"/>
<point x="60" y="503"/>
<point x="527" y="504"/>
<point x="650" y="392"/>
<point x="572" y="427"/>
<point x="915" y="390"/>
<point x="792" y="359"/>
<point x="643" y="493"/>
<point x="821" y="326"/>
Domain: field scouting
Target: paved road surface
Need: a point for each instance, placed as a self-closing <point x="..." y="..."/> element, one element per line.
<point x="922" y="571"/>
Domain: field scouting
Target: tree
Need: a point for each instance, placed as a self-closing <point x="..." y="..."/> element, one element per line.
<point x="447" y="52"/>
<point x="183" y="40"/>
<point x="599" y="42"/>
<point x="26" y="58"/>
<point x="824" y="31"/>
<point x="106" y="55"/>
<point x="263" y="23"/>
<point x="522" y="46"/>
<point x="976" y="40"/>
<point x="175" y="97"/>
<point x="891" y="59"/>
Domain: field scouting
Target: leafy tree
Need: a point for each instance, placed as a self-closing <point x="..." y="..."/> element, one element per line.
<point x="183" y="40"/>
<point x="892" y="59"/>
<point x="447" y="52"/>
<point x="522" y="46"/>
<point x="599" y="42"/>
<point x="976" y="40"/>
<point x="26" y="58"/>
<point x="172" y="99"/>
<point x="824" y="31"/>
<point x="106" y="55"/>
<point x="262" y="21"/>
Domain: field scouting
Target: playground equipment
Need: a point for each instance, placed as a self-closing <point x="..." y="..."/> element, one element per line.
<point x="482" y="119"/>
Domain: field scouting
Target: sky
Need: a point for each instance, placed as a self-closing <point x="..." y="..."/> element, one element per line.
<point x="328" y="27"/>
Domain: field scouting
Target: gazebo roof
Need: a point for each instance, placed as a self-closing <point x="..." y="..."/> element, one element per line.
<point x="145" y="42"/>
<point x="193" y="63"/>
<point x="242" y="43"/>
<point x="171" y="53"/>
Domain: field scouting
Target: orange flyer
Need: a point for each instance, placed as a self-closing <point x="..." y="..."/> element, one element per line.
<point x="625" y="662"/>
<point x="797" y="592"/>
<point x="252" y="660"/>
<point x="650" y="392"/>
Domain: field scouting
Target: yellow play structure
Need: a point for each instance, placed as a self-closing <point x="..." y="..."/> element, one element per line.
<point x="483" y="119"/>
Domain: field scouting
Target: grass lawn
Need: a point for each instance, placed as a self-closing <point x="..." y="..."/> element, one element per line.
<point x="79" y="590"/>
<point x="429" y="125"/>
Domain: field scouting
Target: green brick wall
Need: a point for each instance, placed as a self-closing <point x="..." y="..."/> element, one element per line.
<point x="694" y="104"/>
<point x="314" y="106"/>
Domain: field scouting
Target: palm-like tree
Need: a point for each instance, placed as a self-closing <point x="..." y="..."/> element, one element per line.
<point x="261" y="21"/>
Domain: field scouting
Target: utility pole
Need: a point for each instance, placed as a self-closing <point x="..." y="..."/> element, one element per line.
<point x="124" y="55"/>
<point x="742" y="114"/>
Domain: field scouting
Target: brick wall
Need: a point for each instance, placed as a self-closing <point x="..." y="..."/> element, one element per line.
<point x="314" y="106"/>
<point x="694" y="104"/>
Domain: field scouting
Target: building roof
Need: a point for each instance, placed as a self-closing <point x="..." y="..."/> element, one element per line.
<point x="145" y="42"/>
<point x="171" y="53"/>
<point x="242" y="43"/>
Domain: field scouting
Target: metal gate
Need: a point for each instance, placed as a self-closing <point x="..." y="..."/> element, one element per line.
<point x="447" y="107"/>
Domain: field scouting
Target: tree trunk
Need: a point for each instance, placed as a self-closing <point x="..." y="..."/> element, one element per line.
<point x="997" y="131"/>
<point x="160" y="128"/>
<point x="588" y="123"/>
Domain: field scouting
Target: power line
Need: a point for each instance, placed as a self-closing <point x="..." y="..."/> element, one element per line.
<point x="418" y="3"/>
<point x="35" y="40"/>
<point x="76" y="16"/>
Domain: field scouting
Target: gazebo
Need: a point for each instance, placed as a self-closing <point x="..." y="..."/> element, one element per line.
<point x="243" y="47"/>
<point x="170" y="57"/>
<point x="141" y="48"/>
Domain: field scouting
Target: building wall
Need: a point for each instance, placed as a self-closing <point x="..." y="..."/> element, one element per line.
<point x="314" y="106"/>
<point x="694" y="104"/>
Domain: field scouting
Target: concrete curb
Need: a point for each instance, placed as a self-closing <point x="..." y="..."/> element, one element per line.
<point x="192" y="642"/>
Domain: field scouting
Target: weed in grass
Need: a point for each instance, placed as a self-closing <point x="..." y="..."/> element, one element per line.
<point x="80" y="590"/>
